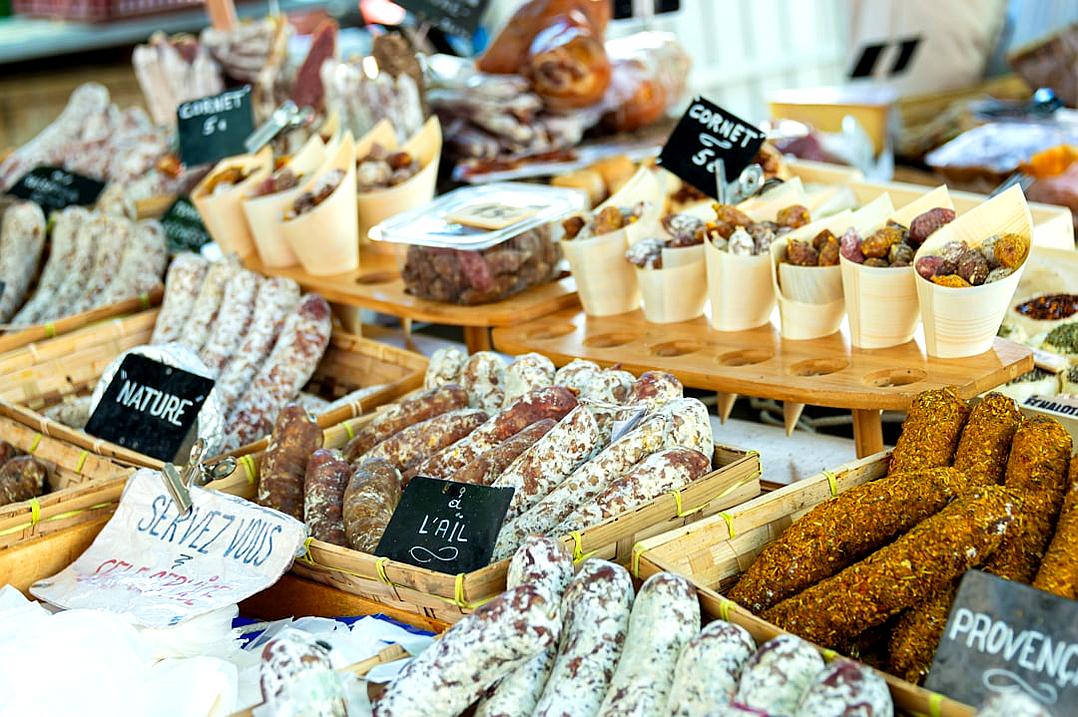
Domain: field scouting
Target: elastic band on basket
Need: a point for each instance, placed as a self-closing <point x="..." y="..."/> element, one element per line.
<point x="35" y="443"/>
<point x="729" y="520"/>
<point x="348" y="429"/>
<point x="634" y="564"/>
<point x="307" y="557"/>
<point x="681" y="512"/>
<point x="832" y="483"/>
<point x="828" y="654"/>
<point x="35" y="512"/>
<point x="724" y="609"/>
<point x="50" y="330"/>
<point x="935" y="704"/>
<point x="82" y="461"/>
<point x="35" y="516"/>
<point x="249" y="468"/>
<point x="144" y="299"/>
<point x="458" y="595"/>
<point x="380" y="568"/>
<point x="578" y="547"/>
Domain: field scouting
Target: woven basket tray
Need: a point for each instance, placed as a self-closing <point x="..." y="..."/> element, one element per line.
<point x="713" y="553"/>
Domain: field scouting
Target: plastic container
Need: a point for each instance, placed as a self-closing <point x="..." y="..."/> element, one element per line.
<point x="481" y="244"/>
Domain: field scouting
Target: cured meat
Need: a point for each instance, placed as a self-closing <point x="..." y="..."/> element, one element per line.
<point x="595" y="620"/>
<point x="665" y="616"/>
<point x="369" y="501"/>
<point x="653" y="389"/>
<point x="709" y="668"/>
<point x="22" y="239"/>
<point x="174" y="70"/>
<point x="525" y="374"/>
<point x="142" y="264"/>
<point x="418" y="442"/>
<point x="290" y="365"/>
<point x="208" y="303"/>
<point x="284" y="466"/>
<point x="931" y="431"/>
<point x="843" y="688"/>
<point x="567" y="62"/>
<point x="297" y="677"/>
<point x="71" y="289"/>
<point x="399" y="416"/>
<point x="483" y="377"/>
<point x="181" y="290"/>
<point x="485" y="469"/>
<point x="778" y="674"/>
<point x="307" y="90"/>
<point x="113" y="234"/>
<point x="276" y="300"/>
<point x="608" y="386"/>
<point x="63" y="250"/>
<point x="324" y="484"/>
<point x="446" y="365"/>
<point x="22" y="478"/>
<point x="576" y="374"/>
<point x="541" y="561"/>
<point x="229" y="327"/>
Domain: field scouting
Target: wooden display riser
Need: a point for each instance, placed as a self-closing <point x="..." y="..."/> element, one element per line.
<point x="377" y="286"/>
<point x="759" y="362"/>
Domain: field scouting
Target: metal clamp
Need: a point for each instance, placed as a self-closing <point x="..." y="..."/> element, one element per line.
<point x="178" y="481"/>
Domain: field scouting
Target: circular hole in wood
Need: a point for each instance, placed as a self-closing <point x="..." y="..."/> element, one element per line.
<point x="818" y="367"/>
<point x="891" y="377"/>
<point x="675" y="348"/>
<point x="551" y="332"/>
<point x="607" y="341"/>
<point x="376" y="277"/>
<point x="745" y="357"/>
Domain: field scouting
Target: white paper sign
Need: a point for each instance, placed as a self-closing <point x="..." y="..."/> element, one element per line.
<point x="161" y="567"/>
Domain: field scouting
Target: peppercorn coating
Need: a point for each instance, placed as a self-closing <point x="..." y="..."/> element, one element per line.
<point x="1040" y="454"/>
<point x="924" y="560"/>
<point x="986" y="439"/>
<point x="839" y="532"/>
<point x="930" y="432"/>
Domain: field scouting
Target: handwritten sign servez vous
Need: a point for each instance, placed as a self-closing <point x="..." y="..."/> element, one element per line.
<point x="163" y="567"/>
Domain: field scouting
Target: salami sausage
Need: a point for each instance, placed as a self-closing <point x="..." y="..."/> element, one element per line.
<point x="526" y="374"/>
<point x="485" y="469"/>
<point x="420" y="441"/>
<point x="114" y="233"/>
<point x="576" y="374"/>
<point x="445" y="366"/>
<point x="550" y="402"/>
<point x="290" y="365"/>
<point x="653" y="389"/>
<point x="229" y="326"/>
<point x="369" y="501"/>
<point x="142" y="263"/>
<point x="661" y="472"/>
<point x="22" y="478"/>
<point x="207" y="304"/>
<point x="323" y="495"/>
<point x="275" y="301"/>
<point x="182" y="286"/>
<point x="776" y="677"/>
<point x="82" y="262"/>
<point x="473" y="654"/>
<point x="290" y="680"/>
<point x="845" y="688"/>
<point x="483" y="377"/>
<point x="401" y="415"/>
<point x="62" y="250"/>
<point x="709" y="669"/>
<point x="665" y="616"/>
<point x="551" y="460"/>
<point x="541" y="561"/>
<point x="608" y="386"/>
<point x="284" y="466"/>
<point x="22" y="239"/>
<point x="595" y="619"/>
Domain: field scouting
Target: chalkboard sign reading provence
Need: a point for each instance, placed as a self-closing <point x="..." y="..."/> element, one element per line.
<point x="445" y="526"/>
<point x="183" y="227"/>
<point x="456" y="17"/>
<point x="1002" y="636"/>
<point x="215" y="127"/>
<point x="705" y="134"/>
<point x="149" y="407"/>
<point x="53" y="188"/>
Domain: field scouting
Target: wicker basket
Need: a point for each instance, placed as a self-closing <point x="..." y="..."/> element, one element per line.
<point x="86" y="485"/>
<point x="713" y="553"/>
<point x="72" y="366"/>
<point x="450" y="597"/>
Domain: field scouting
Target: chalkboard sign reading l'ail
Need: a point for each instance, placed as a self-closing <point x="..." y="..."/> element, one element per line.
<point x="215" y="127"/>
<point x="456" y="17"/>
<point x="54" y="188"/>
<point x="183" y="226"/>
<point x="705" y="134"/>
<point x="445" y="526"/>
<point x="1002" y="636"/>
<point x="149" y="407"/>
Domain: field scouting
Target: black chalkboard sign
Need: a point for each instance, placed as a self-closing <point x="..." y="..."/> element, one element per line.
<point x="455" y="17"/>
<point x="183" y="227"/>
<point x="1003" y="636"/>
<point x="705" y="134"/>
<point x="215" y="127"/>
<point x="150" y="407"/>
<point x="445" y="526"/>
<point x="54" y="188"/>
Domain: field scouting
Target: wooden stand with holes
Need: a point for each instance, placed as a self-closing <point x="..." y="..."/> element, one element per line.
<point x="759" y="362"/>
<point x="377" y="286"/>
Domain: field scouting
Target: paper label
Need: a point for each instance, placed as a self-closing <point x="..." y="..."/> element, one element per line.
<point x="162" y="568"/>
<point x="491" y="215"/>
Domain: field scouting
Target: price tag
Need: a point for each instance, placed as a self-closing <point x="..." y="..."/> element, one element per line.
<point x="491" y="215"/>
<point x="1002" y="636"/>
<point x="705" y="134"/>
<point x="161" y="567"/>
<point x="455" y="17"/>
<point x="183" y="227"/>
<point x="150" y="407"/>
<point x="54" y="188"/>
<point x="445" y="526"/>
<point x="212" y="128"/>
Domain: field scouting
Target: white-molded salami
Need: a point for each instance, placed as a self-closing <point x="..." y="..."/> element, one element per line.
<point x="778" y="675"/>
<point x="595" y="619"/>
<point x="141" y="265"/>
<point x="1012" y="704"/>
<point x="444" y="367"/>
<point x="525" y="374"/>
<point x="608" y="386"/>
<point x="22" y="239"/>
<point x="847" y="689"/>
<point x="653" y="389"/>
<point x="210" y="295"/>
<point x="182" y="286"/>
<point x="665" y="616"/>
<point x="541" y="561"/>
<point x="709" y="669"/>
<point x="82" y="262"/>
<point x="483" y="377"/>
<point x="576" y="374"/>
<point x="63" y="247"/>
<point x="229" y="327"/>
<point x="297" y="677"/>
<point x="113" y="234"/>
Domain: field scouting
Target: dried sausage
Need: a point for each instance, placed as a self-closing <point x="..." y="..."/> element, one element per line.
<point x="113" y="236"/>
<point x="323" y="495"/>
<point x="208" y="303"/>
<point x="82" y="261"/>
<point x="295" y="437"/>
<point x="142" y="263"/>
<point x="372" y="495"/>
<point x="444" y="367"/>
<point x="709" y="668"/>
<point x="291" y="663"/>
<point x="525" y="374"/>
<point x="778" y="674"/>
<point x="483" y="377"/>
<point x="414" y="444"/>
<point x="653" y="389"/>
<point x="845" y="688"/>
<point x="63" y="248"/>
<point x="182" y="286"/>
<point x="22" y="239"/>
<point x="229" y="327"/>
<point x="485" y="469"/>
<point x="22" y="478"/>
<point x="576" y="374"/>
<point x="399" y="416"/>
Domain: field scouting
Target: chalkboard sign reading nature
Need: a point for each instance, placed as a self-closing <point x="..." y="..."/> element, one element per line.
<point x="215" y="127"/>
<point x="149" y="407"/>
<point x="445" y="526"/>
<point x="53" y="188"/>
<point x="705" y="134"/>
<point x="455" y="17"/>
<point x="1002" y="636"/>
<point x="183" y="226"/>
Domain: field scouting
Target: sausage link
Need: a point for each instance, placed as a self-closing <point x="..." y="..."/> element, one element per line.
<point x="709" y="668"/>
<point x="63" y="249"/>
<point x="653" y="389"/>
<point x="444" y="367"/>
<point x="525" y="374"/>
<point x="7" y="452"/>
<point x="778" y="674"/>
<point x="485" y="469"/>
<point x="845" y="688"/>
<point x="114" y="235"/>
<point x="399" y="416"/>
<point x="292" y="662"/>
<point x="483" y="377"/>
<point x="576" y="374"/>
<point x="22" y="478"/>
<point x="231" y="322"/>
<point x="418" y="442"/>
<point x="295" y="437"/>
<point x="22" y="239"/>
<point x="323" y="495"/>
<point x="372" y="495"/>
<point x="210" y="296"/>
<point x="182" y="284"/>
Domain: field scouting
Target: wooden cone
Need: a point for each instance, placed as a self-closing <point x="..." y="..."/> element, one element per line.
<point x="725" y="405"/>
<point x="790" y="413"/>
